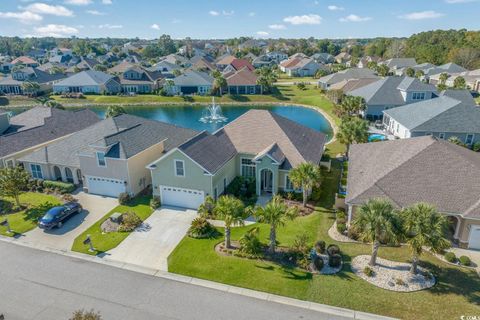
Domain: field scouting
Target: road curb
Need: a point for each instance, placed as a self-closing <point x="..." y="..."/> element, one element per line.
<point x="336" y="311"/>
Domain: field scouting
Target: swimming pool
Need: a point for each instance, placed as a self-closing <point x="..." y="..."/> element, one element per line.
<point x="376" y="137"/>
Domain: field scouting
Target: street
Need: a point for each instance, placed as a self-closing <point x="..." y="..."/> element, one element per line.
<point x="36" y="284"/>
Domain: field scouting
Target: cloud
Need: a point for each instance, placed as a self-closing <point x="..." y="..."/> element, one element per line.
<point x="155" y="26"/>
<point x="304" y="19"/>
<point x="335" y="8"/>
<point x="43" y="8"/>
<point x="213" y="13"/>
<point x="421" y="15"/>
<point x="252" y="14"/>
<point x="277" y="27"/>
<point x="78" y="2"/>
<point x="262" y="33"/>
<point x="55" y="30"/>
<point x="354" y="18"/>
<point x="223" y="12"/>
<point x="107" y="1"/>
<point x="26" y="17"/>
<point x="110" y="26"/>
<point x="95" y="12"/>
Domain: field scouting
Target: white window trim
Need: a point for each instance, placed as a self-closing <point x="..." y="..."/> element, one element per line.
<point x="252" y="165"/>
<point x="288" y="189"/>
<point x="441" y="135"/>
<point x="98" y="160"/>
<point x="175" y="167"/>
<point x="466" y="138"/>
<point x="40" y="171"/>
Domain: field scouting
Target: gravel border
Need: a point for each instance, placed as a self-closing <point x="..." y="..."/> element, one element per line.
<point x="326" y="270"/>
<point x="386" y="274"/>
<point x="337" y="236"/>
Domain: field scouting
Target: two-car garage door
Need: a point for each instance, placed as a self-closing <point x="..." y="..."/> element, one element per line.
<point x="104" y="186"/>
<point x="179" y="197"/>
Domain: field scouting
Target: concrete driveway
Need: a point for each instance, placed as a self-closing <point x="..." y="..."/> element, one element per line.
<point x="151" y="244"/>
<point x="94" y="208"/>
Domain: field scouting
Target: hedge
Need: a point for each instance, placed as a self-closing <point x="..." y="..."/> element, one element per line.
<point x="63" y="187"/>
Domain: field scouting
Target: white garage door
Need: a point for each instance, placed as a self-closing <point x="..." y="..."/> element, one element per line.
<point x="178" y="197"/>
<point x="104" y="186"/>
<point x="474" y="239"/>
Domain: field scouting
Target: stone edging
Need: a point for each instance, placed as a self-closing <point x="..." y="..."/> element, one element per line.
<point x="335" y="235"/>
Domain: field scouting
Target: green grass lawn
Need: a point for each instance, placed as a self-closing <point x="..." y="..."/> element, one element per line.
<point x="296" y="79"/>
<point x="36" y="206"/>
<point x="106" y="241"/>
<point x="457" y="292"/>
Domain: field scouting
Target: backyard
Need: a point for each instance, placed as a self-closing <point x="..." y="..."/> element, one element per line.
<point x="456" y="286"/>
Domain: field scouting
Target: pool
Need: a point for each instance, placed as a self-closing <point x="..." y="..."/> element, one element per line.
<point x="376" y="137"/>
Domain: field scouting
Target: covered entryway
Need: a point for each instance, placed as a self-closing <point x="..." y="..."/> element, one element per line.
<point x="179" y="197"/>
<point x="69" y="175"/>
<point x="105" y="186"/>
<point x="474" y="238"/>
<point x="57" y="173"/>
<point x="266" y="180"/>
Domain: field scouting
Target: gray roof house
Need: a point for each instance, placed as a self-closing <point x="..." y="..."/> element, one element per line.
<point x="348" y="74"/>
<point x="422" y="169"/>
<point x="391" y="92"/>
<point x="88" y="81"/>
<point x="108" y="157"/>
<point x="13" y="84"/>
<point x="397" y="65"/>
<point x="37" y="127"/>
<point x="442" y="117"/>
<point x="190" y="82"/>
<point x="259" y="144"/>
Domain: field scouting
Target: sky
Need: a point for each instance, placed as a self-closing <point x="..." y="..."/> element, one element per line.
<point x="220" y="19"/>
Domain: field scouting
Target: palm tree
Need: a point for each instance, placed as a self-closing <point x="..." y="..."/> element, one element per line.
<point x="219" y="84"/>
<point x="352" y="130"/>
<point x="206" y="208"/>
<point x="266" y="78"/>
<point x="443" y="77"/>
<point x="350" y="106"/>
<point x="30" y="87"/>
<point x="231" y="211"/>
<point x="424" y="227"/>
<point x="275" y="213"/>
<point x="305" y="176"/>
<point x="113" y="111"/>
<point x="377" y="221"/>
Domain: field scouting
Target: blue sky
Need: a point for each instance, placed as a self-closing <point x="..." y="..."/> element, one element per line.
<point x="231" y="18"/>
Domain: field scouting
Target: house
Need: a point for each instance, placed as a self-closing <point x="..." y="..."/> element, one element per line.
<point x="391" y="92"/>
<point x="108" y="157"/>
<point x="276" y="56"/>
<point x="202" y="63"/>
<point x="343" y="57"/>
<point x="177" y="59"/>
<point x="139" y="80"/>
<point x="243" y="81"/>
<point x="348" y="74"/>
<point x="121" y="67"/>
<point x="351" y="84"/>
<point x="84" y="64"/>
<point x="14" y="83"/>
<point x="238" y="64"/>
<point x="166" y="68"/>
<point x="422" y="169"/>
<point x="89" y="81"/>
<point x="364" y="61"/>
<point x="263" y="61"/>
<point x="38" y="127"/>
<point x="398" y="65"/>
<point x="301" y="67"/>
<point x="25" y="61"/>
<point x="323" y="58"/>
<point x="190" y="82"/>
<point x="36" y="53"/>
<point x="257" y="145"/>
<point x="442" y="117"/>
<point x="224" y="61"/>
<point x="472" y="79"/>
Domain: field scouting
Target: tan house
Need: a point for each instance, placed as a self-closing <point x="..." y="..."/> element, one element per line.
<point x="423" y="169"/>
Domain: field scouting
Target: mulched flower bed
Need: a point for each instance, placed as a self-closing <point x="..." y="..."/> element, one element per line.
<point x="302" y="211"/>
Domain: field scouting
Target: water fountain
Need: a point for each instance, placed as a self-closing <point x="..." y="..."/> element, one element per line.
<point x="213" y="114"/>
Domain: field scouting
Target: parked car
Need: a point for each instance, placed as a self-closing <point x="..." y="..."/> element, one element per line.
<point x="57" y="215"/>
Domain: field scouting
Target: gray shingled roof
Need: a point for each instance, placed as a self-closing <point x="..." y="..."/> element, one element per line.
<point x="352" y="73"/>
<point x="461" y="95"/>
<point x="193" y="78"/>
<point x="86" y="78"/>
<point x="413" y="170"/>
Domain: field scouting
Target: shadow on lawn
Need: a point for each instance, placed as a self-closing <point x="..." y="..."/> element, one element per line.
<point x="239" y="98"/>
<point x="36" y="212"/>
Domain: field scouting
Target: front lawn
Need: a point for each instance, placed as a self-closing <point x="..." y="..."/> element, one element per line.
<point x="37" y="204"/>
<point x="455" y="294"/>
<point x="106" y="241"/>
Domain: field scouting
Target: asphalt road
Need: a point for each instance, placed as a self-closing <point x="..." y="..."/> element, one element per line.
<point x="36" y="284"/>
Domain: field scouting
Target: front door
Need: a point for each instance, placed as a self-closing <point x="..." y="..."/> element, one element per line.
<point x="266" y="181"/>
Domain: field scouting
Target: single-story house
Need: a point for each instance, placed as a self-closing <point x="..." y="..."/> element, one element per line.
<point x="323" y="58"/>
<point x="38" y="127"/>
<point x="398" y="65"/>
<point x="301" y="67"/>
<point x="343" y="57"/>
<point x="472" y="79"/>
<point x="243" y="81"/>
<point x="89" y="81"/>
<point x="190" y="82"/>
<point x="422" y="169"/>
<point x="166" y="68"/>
<point x="442" y="117"/>
<point x="108" y="157"/>
<point x="139" y="80"/>
<point x="25" y="61"/>
<point x="348" y="74"/>
<point x="14" y="83"/>
<point x="258" y="145"/>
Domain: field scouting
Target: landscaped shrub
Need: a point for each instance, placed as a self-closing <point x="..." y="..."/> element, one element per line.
<point x="201" y="228"/>
<point x="124" y="198"/>
<point x="368" y="271"/>
<point x="68" y="198"/>
<point x="5" y="207"/>
<point x="353" y="233"/>
<point x="450" y="257"/>
<point x="341" y="215"/>
<point x="300" y="248"/>
<point x="476" y="147"/>
<point x="464" y="261"/>
<point x="318" y="262"/>
<point x="320" y="246"/>
<point x="334" y="260"/>
<point x="129" y="222"/>
<point x="333" y="249"/>
<point x="235" y="186"/>
<point x="62" y="187"/>
<point x="341" y="227"/>
<point x="155" y="202"/>
<point x="250" y="244"/>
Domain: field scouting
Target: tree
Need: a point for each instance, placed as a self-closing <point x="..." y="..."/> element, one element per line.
<point x="410" y="72"/>
<point x="419" y="74"/>
<point x="30" y="87"/>
<point x="352" y="130"/>
<point x="207" y="207"/>
<point x="13" y="181"/>
<point x="376" y="221"/>
<point x="350" y="106"/>
<point x="219" y="85"/>
<point x="266" y="78"/>
<point x="113" y="111"/>
<point x="231" y="211"/>
<point x="100" y="67"/>
<point x="459" y="83"/>
<point x="372" y="65"/>
<point x="424" y="227"/>
<point x="276" y="213"/>
<point x="465" y="57"/>
<point x="383" y="70"/>
<point x="305" y="176"/>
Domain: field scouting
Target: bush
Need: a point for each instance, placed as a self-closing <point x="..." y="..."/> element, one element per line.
<point x="250" y="245"/>
<point x="334" y="260"/>
<point x="476" y="147"/>
<point x="124" y="198"/>
<point x="155" y="202"/>
<point x="341" y="227"/>
<point x="400" y="282"/>
<point x="201" y="228"/>
<point x="341" y="215"/>
<point x="464" y="261"/>
<point x="450" y="257"/>
<point x="353" y="233"/>
<point x="318" y="262"/>
<point x="320" y="246"/>
<point x="300" y="248"/>
<point x="333" y="249"/>
<point x="129" y="222"/>
<point x="368" y="271"/>
<point x="62" y="187"/>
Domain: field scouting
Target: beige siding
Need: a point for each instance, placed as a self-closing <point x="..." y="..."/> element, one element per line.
<point x="140" y="176"/>
<point x="115" y="169"/>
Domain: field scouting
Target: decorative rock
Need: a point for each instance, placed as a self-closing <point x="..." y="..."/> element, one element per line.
<point x="337" y="236"/>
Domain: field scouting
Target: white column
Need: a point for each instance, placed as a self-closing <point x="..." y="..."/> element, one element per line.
<point x="349" y="215"/>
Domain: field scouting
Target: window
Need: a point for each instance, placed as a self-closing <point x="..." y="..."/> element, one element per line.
<point x="179" y="168"/>
<point x="441" y="135"/>
<point x="101" y="159"/>
<point x="36" y="171"/>
<point x="288" y="183"/>
<point x="247" y="168"/>
<point x="418" y="96"/>
<point x="10" y="163"/>
<point x="469" y="139"/>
